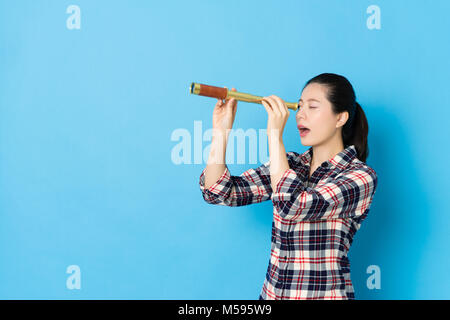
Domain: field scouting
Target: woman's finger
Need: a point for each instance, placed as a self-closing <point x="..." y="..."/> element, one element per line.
<point x="233" y="100"/>
<point x="226" y="100"/>
<point x="274" y="104"/>
<point x="282" y="106"/>
<point x="267" y="106"/>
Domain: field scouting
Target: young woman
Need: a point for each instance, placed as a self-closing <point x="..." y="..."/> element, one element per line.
<point x="320" y="197"/>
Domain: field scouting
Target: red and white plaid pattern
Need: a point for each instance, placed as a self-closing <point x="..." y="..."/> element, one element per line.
<point x="314" y="220"/>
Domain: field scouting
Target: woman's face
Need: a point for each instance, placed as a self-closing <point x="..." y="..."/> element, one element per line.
<point x="315" y="114"/>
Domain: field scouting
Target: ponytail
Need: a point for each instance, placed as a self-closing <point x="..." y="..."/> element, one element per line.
<point x="355" y="132"/>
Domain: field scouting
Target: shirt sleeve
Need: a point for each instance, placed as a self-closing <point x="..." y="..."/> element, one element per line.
<point x="348" y="196"/>
<point x="252" y="186"/>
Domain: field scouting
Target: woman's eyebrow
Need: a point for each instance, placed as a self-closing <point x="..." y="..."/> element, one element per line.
<point x="310" y="100"/>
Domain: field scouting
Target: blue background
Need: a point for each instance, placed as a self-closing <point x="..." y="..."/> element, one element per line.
<point x="86" y="117"/>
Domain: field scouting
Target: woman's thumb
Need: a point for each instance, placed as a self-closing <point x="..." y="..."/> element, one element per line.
<point x="232" y="100"/>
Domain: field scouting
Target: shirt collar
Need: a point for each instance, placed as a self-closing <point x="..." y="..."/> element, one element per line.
<point x="340" y="160"/>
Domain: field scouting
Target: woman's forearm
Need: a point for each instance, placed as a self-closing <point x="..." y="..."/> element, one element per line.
<point x="278" y="160"/>
<point x="216" y="160"/>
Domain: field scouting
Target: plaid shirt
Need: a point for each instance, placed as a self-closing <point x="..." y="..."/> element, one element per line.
<point x="314" y="220"/>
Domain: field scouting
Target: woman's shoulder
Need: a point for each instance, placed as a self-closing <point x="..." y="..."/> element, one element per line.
<point x="361" y="170"/>
<point x="361" y="165"/>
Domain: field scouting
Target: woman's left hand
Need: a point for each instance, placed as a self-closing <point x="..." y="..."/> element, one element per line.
<point x="278" y="113"/>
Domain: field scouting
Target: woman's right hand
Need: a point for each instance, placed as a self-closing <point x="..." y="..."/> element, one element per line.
<point x="224" y="114"/>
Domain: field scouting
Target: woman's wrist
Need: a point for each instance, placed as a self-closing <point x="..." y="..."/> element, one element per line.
<point x="220" y="135"/>
<point x="218" y="147"/>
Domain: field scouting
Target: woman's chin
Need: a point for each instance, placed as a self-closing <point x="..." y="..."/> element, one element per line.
<point x="305" y="143"/>
<point x="304" y="140"/>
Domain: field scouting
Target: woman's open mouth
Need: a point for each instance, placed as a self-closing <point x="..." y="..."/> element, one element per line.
<point x="303" y="131"/>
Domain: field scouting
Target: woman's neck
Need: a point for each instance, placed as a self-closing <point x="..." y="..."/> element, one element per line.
<point x="325" y="152"/>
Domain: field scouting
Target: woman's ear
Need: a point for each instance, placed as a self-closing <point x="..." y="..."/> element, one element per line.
<point x="342" y="119"/>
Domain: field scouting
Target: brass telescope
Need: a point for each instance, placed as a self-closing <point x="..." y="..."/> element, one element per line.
<point x="224" y="93"/>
